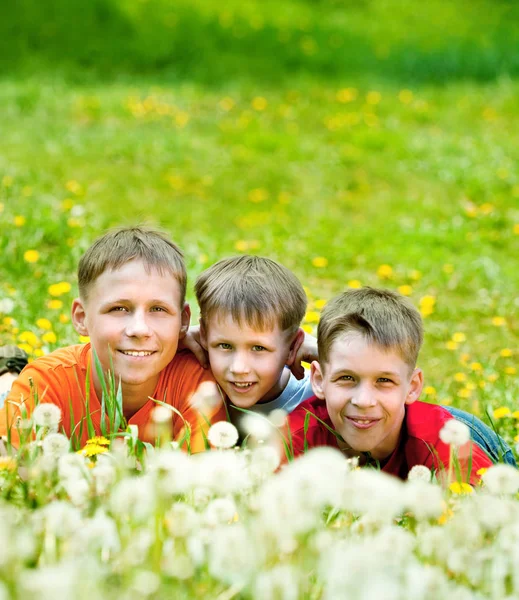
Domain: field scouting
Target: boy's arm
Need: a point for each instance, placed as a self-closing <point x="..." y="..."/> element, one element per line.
<point x="191" y="341"/>
<point x="307" y="352"/>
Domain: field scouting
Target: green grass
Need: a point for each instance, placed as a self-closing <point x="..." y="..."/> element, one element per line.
<point x="367" y="133"/>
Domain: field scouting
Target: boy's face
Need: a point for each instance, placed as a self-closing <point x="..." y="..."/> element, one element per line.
<point x="366" y="389"/>
<point x="137" y="317"/>
<point x="248" y="364"/>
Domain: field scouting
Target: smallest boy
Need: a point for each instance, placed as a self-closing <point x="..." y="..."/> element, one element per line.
<point x="251" y="309"/>
<point x="368" y="341"/>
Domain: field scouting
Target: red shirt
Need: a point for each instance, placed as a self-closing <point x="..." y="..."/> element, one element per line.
<point x="419" y="442"/>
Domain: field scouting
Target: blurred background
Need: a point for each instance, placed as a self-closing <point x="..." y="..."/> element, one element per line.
<point x="366" y="142"/>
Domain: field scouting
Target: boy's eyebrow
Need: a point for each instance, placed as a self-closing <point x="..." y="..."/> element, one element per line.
<point x="129" y="301"/>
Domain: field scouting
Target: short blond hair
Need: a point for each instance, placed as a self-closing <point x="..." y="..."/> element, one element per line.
<point x="252" y="289"/>
<point x="384" y="317"/>
<point x="119" y="246"/>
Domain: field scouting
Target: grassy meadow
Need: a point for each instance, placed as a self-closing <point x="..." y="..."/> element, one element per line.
<point x="370" y="142"/>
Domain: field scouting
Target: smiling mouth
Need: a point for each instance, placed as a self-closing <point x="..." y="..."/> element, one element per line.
<point x="137" y="353"/>
<point x="242" y="385"/>
<point x="362" y="423"/>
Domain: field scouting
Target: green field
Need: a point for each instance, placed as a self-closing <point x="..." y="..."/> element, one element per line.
<point x="370" y="141"/>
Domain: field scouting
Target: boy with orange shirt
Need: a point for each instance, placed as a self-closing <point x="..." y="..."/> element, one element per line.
<point x="131" y="304"/>
<point x="367" y="386"/>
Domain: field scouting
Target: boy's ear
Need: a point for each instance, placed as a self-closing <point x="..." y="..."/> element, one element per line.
<point x="185" y="320"/>
<point x="203" y="334"/>
<point x="415" y="386"/>
<point x="316" y="378"/>
<point x="297" y="342"/>
<point x="78" y="315"/>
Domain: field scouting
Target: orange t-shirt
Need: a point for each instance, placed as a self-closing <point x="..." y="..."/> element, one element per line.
<point x="60" y="378"/>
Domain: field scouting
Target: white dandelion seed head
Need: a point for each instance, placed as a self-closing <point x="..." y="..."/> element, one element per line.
<point x="222" y="435"/>
<point x="501" y="479"/>
<point x="419" y="473"/>
<point x="133" y="498"/>
<point x="257" y="427"/>
<point x="424" y="499"/>
<point x="219" y="512"/>
<point x="455" y="433"/>
<point x="55" y="445"/>
<point x="207" y="398"/>
<point x="278" y="417"/>
<point x="6" y="306"/>
<point x="47" y="414"/>
<point x="161" y="415"/>
<point x="181" y="520"/>
<point x="172" y="470"/>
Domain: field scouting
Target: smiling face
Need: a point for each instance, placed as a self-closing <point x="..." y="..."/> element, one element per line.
<point x="136" y="317"/>
<point x="248" y="364"/>
<point x="366" y="389"/>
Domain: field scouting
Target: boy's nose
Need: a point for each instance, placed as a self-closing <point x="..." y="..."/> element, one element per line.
<point x="363" y="397"/>
<point x="239" y="364"/>
<point x="137" y="326"/>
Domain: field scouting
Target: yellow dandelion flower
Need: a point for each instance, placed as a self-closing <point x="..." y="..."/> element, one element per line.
<point x="319" y="262"/>
<point x="470" y="385"/>
<point x="181" y="119"/>
<point x="516" y="229"/>
<point x="415" y="275"/>
<point x="465" y="393"/>
<point x="259" y="103"/>
<point x="481" y="471"/>
<point x="44" y="324"/>
<point x="486" y="208"/>
<point x="492" y="377"/>
<point x="226" y="103"/>
<point x="501" y="412"/>
<point x="38" y="352"/>
<point x="385" y="272"/>
<point x="354" y="284"/>
<point x="63" y="318"/>
<point x="8" y="321"/>
<point x="19" y="221"/>
<point x="450" y="345"/>
<point x="54" y="304"/>
<point x="84" y="339"/>
<point x="346" y="95"/>
<point x="464" y="358"/>
<point x="320" y="304"/>
<point x="31" y="256"/>
<point x="515" y="414"/>
<point x="506" y="353"/>
<point x="429" y="390"/>
<point x="241" y="246"/>
<point x="74" y="187"/>
<point x="258" y="195"/>
<point x="49" y="337"/>
<point x="312" y="316"/>
<point x="7" y="181"/>
<point x="460" y="488"/>
<point x="58" y="289"/>
<point x="26" y="347"/>
<point x="405" y="290"/>
<point x="476" y="366"/>
<point x="7" y="463"/>
<point x="510" y="370"/>
<point x="498" y="321"/>
<point x="373" y="97"/>
<point x="92" y="450"/>
<point x="458" y="337"/>
<point x="445" y="516"/>
<point x="307" y="328"/>
<point x="98" y="439"/>
<point x="28" y="337"/>
<point x="67" y="204"/>
<point x="405" y="96"/>
<point x="482" y="384"/>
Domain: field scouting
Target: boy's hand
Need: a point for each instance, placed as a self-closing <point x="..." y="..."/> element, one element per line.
<point x="307" y="352"/>
<point x="191" y="341"/>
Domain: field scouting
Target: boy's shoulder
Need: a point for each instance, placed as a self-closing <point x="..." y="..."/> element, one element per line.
<point x="424" y="421"/>
<point x="68" y="356"/>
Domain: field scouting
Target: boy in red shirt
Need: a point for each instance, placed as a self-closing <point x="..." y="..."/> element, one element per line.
<point x="131" y="304"/>
<point x="367" y="387"/>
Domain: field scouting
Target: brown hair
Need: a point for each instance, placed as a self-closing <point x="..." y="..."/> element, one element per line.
<point x="253" y="289"/>
<point x="119" y="246"/>
<point x="384" y="317"/>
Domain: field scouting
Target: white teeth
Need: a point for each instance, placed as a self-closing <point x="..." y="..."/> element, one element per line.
<point x="242" y="385"/>
<point x="362" y="421"/>
<point x="136" y="353"/>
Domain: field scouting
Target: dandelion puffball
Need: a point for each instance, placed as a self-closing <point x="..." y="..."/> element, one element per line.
<point x="455" y="433"/>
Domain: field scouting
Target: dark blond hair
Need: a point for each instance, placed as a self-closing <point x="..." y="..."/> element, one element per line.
<point x="252" y="289"/>
<point x="383" y="317"/>
<point x="119" y="246"/>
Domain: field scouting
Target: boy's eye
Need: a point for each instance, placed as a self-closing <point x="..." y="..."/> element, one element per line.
<point x="158" y="309"/>
<point x="384" y="380"/>
<point x="118" y="309"/>
<point x="224" y="346"/>
<point x="345" y="378"/>
<point x="258" y="348"/>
